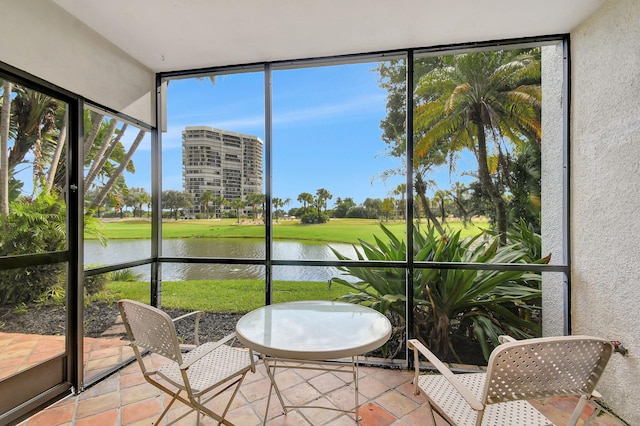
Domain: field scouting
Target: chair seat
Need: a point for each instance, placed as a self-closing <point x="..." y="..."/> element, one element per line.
<point x="454" y="408"/>
<point x="211" y="370"/>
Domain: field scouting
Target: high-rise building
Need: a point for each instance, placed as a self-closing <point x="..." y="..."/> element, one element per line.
<point x="223" y="162"/>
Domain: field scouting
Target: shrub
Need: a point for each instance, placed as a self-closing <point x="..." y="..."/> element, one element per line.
<point x="313" y="217"/>
<point x="26" y="285"/>
<point x="37" y="225"/>
<point x="126" y="275"/>
<point x="357" y="213"/>
<point x="462" y="305"/>
<point x="95" y="283"/>
<point x="33" y="226"/>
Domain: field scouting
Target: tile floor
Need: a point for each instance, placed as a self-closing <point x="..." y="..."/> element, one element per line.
<point x="124" y="398"/>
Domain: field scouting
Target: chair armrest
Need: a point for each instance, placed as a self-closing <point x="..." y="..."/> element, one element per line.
<point x="211" y="348"/>
<point x="196" y="331"/>
<point x="419" y="348"/>
<point x="506" y="339"/>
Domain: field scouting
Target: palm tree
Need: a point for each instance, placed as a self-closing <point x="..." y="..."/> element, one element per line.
<point x="238" y="204"/>
<point x="388" y="207"/>
<point x="117" y="201"/>
<point x="442" y="198"/>
<point x="277" y="203"/>
<point x="401" y="190"/>
<point x="139" y="197"/>
<point x="5" y="123"/>
<point x="39" y="125"/>
<point x="478" y="98"/>
<point x="322" y="196"/>
<point x="457" y="192"/>
<point x="286" y="202"/>
<point x="218" y="203"/>
<point x="118" y="173"/>
<point x="205" y="199"/>
<point x="306" y="199"/>
<point x="56" y="158"/>
<point x="96" y="122"/>
<point x="104" y="151"/>
<point x="33" y="115"/>
<point x="254" y="200"/>
<point x="421" y="192"/>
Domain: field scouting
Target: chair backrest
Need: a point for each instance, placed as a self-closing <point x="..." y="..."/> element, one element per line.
<point x="543" y="367"/>
<point x="150" y="328"/>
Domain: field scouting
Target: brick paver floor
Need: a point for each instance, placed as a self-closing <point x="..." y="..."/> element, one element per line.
<point x="124" y="398"/>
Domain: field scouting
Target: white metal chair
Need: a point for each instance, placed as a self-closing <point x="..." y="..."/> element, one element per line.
<point x="206" y="368"/>
<point x="516" y="371"/>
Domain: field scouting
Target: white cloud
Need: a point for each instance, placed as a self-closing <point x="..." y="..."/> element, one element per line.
<point x="352" y="107"/>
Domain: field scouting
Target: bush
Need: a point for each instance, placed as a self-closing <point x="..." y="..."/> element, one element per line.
<point x="453" y="307"/>
<point x="357" y="213"/>
<point x="126" y="275"/>
<point x="26" y="285"/>
<point x="296" y="211"/>
<point x="313" y="217"/>
<point x="33" y="226"/>
<point x="95" y="283"/>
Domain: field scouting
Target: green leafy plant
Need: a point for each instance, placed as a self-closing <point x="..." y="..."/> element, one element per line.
<point x="314" y="217"/>
<point x="37" y="225"/>
<point x="33" y="226"/>
<point x="126" y="275"/>
<point x="54" y="294"/>
<point x="471" y="305"/>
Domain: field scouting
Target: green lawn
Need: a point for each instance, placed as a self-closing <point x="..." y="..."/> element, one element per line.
<point x="225" y="295"/>
<point x="337" y="230"/>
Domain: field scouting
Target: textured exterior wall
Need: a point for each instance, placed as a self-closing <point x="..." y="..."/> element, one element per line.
<point x="554" y="284"/>
<point x="44" y="40"/>
<point x="605" y="197"/>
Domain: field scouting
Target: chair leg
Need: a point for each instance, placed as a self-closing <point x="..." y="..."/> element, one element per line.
<point x="201" y="408"/>
<point x="578" y="411"/>
<point x="166" y="409"/>
<point x="198" y="414"/>
<point x="433" y="416"/>
<point x="233" y="395"/>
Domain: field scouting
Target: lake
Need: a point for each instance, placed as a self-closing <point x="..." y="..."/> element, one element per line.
<point x="118" y="251"/>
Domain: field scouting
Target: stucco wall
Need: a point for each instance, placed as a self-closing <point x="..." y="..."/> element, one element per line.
<point x="42" y="39"/>
<point x="554" y="284"/>
<point x="605" y="197"/>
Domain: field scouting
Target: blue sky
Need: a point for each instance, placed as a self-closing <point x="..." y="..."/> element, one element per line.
<point x="326" y="129"/>
<point x="326" y="126"/>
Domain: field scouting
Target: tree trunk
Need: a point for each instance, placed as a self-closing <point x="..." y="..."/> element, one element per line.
<point x="421" y="189"/>
<point x="100" y="157"/>
<point x="491" y="189"/>
<point x="62" y="139"/>
<point x="92" y="135"/>
<point x="101" y="196"/>
<point x="5" y="122"/>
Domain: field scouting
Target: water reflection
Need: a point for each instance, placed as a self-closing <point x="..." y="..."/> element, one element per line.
<point x="127" y="250"/>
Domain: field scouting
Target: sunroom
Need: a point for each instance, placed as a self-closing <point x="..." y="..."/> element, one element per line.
<point x="298" y="100"/>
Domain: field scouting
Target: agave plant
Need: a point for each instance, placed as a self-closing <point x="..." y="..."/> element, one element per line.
<point x="470" y="304"/>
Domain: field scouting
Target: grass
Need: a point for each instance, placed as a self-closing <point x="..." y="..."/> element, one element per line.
<point x="224" y="295"/>
<point x="337" y="230"/>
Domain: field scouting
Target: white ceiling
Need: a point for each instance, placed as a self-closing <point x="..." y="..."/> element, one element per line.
<point x="170" y="35"/>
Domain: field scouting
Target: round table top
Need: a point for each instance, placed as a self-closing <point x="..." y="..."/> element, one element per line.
<point x="313" y="330"/>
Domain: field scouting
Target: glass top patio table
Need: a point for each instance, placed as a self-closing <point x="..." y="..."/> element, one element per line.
<point x="313" y="330"/>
